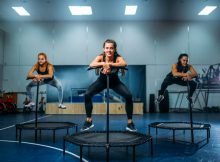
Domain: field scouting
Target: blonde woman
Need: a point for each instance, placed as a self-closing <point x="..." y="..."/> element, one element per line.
<point x="45" y="75"/>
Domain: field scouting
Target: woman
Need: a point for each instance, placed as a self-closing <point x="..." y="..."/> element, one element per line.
<point x="180" y="74"/>
<point x="107" y="60"/>
<point x="45" y="75"/>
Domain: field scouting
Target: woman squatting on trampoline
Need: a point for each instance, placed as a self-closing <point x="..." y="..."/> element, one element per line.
<point x="107" y="60"/>
<point x="180" y="74"/>
<point x="45" y="75"/>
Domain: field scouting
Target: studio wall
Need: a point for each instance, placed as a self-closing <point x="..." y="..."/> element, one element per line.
<point x="154" y="44"/>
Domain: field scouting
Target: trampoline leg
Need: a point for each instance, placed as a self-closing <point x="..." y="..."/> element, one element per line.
<point x="81" y="150"/>
<point x="40" y="134"/>
<point x="134" y="153"/>
<point x="151" y="146"/>
<point x="53" y="136"/>
<point x="174" y="136"/>
<point x="19" y="135"/>
<point x="35" y="135"/>
<point x="64" y="146"/>
<point x="156" y="131"/>
<point x="107" y="152"/>
<point x="148" y="129"/>
<point x="67" y="131"/>
<point x="192" y="136"/>
<point x="76" y="129"/>
<point x="16" y="134"/>
<point x="209" y="133"/>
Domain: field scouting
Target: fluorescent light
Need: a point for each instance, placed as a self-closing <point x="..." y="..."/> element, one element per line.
<point x="21" y="11"/>
<point x="207" y="10"/>
<point x="80" y="10"/>
<point x="130" y="10"/>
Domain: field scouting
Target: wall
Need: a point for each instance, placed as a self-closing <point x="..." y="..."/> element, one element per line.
<point x="154" y="44"/>
<point x="1" y="56"/>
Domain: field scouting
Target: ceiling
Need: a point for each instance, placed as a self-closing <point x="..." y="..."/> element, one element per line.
<point x="105" y="10"/>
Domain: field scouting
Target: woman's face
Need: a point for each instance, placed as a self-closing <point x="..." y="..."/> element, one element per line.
<point x="41" y="60"/>
<point x="184" y="60"/>
<point x="109" y="49"/>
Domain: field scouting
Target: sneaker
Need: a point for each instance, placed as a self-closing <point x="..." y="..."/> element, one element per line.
<point x="131" y="127"/>
<point x="159" y="99"/>
<point x="61" y="106"/>
<point x="87" y="125"/>
<point x="30" y="104"/>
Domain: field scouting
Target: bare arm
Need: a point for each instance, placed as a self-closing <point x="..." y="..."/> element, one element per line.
<point x="97" y="62"/>
<point x="50" y="73"/>
<point x="31" y="74"/>
<point x="193" y="72"/>
<point x="120" y="62"/>
<point x="176" y="73"/>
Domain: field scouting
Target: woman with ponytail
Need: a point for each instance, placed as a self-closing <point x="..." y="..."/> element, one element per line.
<point x="180" y="74"/>
<point x="45" y="75"/>
<point x="107" y="61"/>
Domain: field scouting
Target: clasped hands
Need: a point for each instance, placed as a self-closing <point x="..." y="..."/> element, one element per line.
<point x="106" y="67"/>
<point x="187" y="77"/>
<point x="37" y="78"/>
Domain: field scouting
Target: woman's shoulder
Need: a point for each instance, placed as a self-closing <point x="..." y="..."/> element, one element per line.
<point x="49" y="65"/>
<point x="175" y="65"/>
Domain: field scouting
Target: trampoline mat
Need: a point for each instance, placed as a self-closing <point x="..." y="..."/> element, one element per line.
<point x="47" y="125"/>
<point x="179" y="125"/>
<point x="116" y="138"/>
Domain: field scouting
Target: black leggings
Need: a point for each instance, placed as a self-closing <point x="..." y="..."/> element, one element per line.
<point x="169" y="80"/>
<point x="115" y="84"/>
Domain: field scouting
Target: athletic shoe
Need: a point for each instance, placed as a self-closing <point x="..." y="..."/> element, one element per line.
<point x="61" y="106"/>
<point x="131" y="127"/>
<point x="30" y="104"/>
<point x="159" y="99"/>
<point x="87" y="125"/>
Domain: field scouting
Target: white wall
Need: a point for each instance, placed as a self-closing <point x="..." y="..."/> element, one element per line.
<point x="1" y="56"/>
<point x="154" y="44"/>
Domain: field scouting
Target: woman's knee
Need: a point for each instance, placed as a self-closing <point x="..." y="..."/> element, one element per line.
<point x="128" y="96"/>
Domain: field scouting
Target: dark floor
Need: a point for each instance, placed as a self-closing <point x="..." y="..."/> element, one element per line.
<point x="164" y="149"/>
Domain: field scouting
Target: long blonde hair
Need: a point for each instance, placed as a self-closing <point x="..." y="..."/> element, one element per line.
<point x="36" y="65"/>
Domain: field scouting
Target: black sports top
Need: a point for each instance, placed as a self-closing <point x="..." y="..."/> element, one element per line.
<point x="180" y="69"/>
<point x="45" y="73"/>
<point x="114" y="72"/>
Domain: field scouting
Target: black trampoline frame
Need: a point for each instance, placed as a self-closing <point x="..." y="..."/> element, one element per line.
<point x="26" y="126"/>
<point x="157" y="125"/>
<point x="191" y="128"/>
<point x="35" y="127"/>
<point x="81" y="143"/>
<point x="107" y="144"/>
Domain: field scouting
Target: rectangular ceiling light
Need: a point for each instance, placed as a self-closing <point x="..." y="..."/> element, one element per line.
<point x="207" y="10"/>
<point x="80" y="10"/>
<point x="130" y="10"/>
<point x="21" y="11"/>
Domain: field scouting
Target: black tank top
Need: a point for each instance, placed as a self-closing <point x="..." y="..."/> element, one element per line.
<point x="45" y="73"/>
<point x="114" y="71"/>
<point x="181" y="69"/>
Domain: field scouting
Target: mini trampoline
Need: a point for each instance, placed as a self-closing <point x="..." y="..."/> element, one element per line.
<point x="180" y="126"/>
<point x="191" y="126"/>
<point x="108" y="138"/>
<point x="116" y="139"/>
<point x="45" y="126"/>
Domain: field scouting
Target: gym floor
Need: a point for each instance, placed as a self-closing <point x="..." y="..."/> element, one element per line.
<point x="164" y="149"/>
